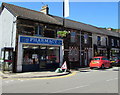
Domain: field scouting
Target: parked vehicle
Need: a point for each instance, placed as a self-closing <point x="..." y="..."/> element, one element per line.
<point x="115" y="60"/>
<point x="100" y="62"/>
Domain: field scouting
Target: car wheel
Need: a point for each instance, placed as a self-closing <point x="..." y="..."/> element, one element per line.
<point x="102" y="67"/>
<point x="110" y="66"/>
<point x="91" y="67"/>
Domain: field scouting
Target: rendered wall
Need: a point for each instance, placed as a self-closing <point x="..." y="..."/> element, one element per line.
<point x="7" y="29"/>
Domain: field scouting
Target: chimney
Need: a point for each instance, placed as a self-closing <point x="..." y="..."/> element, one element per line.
<point x="45" y="9"/>
<point x="109" y="29"/>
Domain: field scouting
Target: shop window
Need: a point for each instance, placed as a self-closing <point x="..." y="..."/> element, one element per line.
<point x="53" y="54"/>
<point x="40" y="55"/>
<point x="30" y="55"/>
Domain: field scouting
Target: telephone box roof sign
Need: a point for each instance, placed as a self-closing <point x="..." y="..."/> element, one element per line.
<point x="40" y="40"/>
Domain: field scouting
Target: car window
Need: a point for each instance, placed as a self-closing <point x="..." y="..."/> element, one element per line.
<point x="115" y="58"/>
<point x="104" y="59"/>
<point x="96" y="58"/>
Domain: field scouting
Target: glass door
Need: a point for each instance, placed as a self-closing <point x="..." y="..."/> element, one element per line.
<point x="43" y="56"/>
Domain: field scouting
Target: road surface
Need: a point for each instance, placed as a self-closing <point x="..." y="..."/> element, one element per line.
<point x="86" y="81"/>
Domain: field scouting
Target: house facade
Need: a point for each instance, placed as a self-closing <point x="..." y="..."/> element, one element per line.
<point x="29" y="38"/>
<point x="114" y="45"/>
<point x="34" y="42"/>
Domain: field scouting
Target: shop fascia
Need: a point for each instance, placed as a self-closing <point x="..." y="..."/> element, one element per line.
<point x="40" y="40"/>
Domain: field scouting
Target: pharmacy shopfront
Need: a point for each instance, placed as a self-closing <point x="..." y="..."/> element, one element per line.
<point x="39" y="53"/>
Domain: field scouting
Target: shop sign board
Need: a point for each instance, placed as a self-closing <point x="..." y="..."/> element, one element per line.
<point x="36" y="40"/>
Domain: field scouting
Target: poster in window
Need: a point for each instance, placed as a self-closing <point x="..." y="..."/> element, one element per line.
<point x="6" y="55"/>
<point x="73" y="54"/>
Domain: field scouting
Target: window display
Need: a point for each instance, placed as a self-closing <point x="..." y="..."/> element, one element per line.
<point x="41" y="55"/>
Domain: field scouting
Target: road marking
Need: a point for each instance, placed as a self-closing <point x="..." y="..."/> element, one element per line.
<point x="112" y="79"/>
<point x="11" y="80"/>
<point x="6" y="81"/>
<point x="43" y="77"/>
<point x="21" y="80"/>
<point x="70" y="89"/>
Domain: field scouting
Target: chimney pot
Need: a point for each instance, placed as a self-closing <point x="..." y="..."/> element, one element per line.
<point x="45" y="9"/>
<point x="109" y="29"/>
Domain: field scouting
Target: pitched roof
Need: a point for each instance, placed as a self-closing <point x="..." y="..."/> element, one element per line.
<point x="77" y="25"/>
<point x="86" y="27"/>
<point x="110" y="33"/>
<point x="30" y="14"/>
<point x="39" y="16"/>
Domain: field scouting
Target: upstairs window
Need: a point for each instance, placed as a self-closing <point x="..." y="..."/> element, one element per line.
<point x="73" y="35"/>
<point x="38" y="31"/>
<point x="99" y="40"/>
<point x="112" y="42"/>
<point x="26" y="30"/>
<point x="49" y="31"/>
<point x="106" y="41"/>
<point x="86" y="38"/>
<point x="118" y="43"/>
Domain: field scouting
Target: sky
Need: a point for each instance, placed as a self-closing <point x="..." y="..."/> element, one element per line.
<point x="100" y="14"/>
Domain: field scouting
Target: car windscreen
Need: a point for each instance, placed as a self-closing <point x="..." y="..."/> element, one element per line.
<point x="96" y="58"/>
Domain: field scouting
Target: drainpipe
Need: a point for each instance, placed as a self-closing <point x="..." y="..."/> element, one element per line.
<point x="12" y="31"/>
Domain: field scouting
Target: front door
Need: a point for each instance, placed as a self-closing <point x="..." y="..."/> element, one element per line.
<point x="86" y="58"/>
<point x="43" y="57"/>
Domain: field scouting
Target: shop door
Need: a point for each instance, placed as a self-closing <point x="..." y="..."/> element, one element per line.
<point x="42" y="57"/>
<point x="86" y="58"/>
<point x="49" y="57"/>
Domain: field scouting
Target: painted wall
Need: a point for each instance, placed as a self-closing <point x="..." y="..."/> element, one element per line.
<point x="0" y="33"/>
<point x="7" y="29"/>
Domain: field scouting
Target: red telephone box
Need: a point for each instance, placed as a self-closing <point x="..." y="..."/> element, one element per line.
<point x="7" y="56"/>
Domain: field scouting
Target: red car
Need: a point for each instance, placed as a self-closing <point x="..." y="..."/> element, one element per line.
<point x="115" y="60"/>
<point x="100" y="62"/>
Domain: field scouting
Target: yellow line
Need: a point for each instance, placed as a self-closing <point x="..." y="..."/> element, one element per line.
<point x="44" y="78"/>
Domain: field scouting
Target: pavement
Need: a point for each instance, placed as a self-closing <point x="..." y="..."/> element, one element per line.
<point x="39" y="74"/>
<point x="33" y="74"/>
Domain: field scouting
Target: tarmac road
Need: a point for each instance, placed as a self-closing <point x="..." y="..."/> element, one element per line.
<point x="85" y="81"/>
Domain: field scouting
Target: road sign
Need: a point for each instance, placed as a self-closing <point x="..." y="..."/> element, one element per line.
<point x="64" y="66"/>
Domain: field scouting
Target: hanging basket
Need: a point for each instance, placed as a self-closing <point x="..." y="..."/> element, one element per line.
<point x="62" y="34"/>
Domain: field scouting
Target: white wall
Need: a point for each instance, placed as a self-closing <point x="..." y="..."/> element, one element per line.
<point x="0" y="33"/>
<point x="7" y="26"/>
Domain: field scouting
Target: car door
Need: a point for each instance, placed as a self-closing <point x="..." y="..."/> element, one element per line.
<point x="107" y="62"/>
<point x="104" y="62"/>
